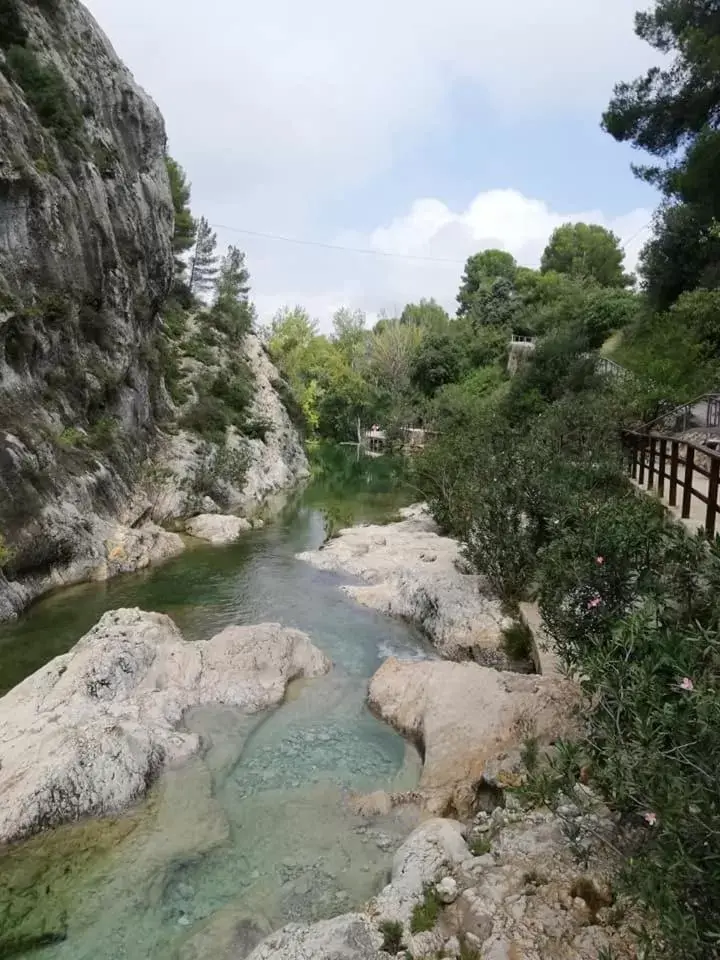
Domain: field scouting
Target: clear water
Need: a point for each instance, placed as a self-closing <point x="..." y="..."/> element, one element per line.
<point x="257" y="831"/>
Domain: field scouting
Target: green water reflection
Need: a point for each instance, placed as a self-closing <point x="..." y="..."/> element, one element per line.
<point x="255" y="832"/>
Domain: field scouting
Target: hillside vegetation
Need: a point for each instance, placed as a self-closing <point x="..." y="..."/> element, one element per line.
<point x="528" y="472"/>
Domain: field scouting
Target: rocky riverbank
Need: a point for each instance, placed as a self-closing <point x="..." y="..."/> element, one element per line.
<point x="413" y="572"/>
<point x="508" y="886"/>
<point x="89" y="732"/>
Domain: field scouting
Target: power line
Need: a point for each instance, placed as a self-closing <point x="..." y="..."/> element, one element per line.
<point x="335" y="246"/>
<point x="366" y="251"/>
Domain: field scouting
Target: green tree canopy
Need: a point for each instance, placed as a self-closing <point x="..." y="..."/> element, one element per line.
<point x="428" y="314"/>
<point x="481" y="271"/>
<point x="439" y="359"/>
<point x="672" y="111"/>
<point x="586" y="251"/>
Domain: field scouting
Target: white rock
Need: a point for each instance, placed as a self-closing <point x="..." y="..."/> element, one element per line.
<point x="217" y="527"/>
<point x="87" y="732"/>
<point x="447" y="890"/>
<point x="453" y="608"/>
<point x="429" y="852"/>
<point x="465" y="715"/>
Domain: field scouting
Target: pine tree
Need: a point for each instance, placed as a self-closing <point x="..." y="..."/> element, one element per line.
<point x="232" y="285"/>
<point x="232" y="311"/>
<point x="185" y="226"/>
<point x="203" y="268"/>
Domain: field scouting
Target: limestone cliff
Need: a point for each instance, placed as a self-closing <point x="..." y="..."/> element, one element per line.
<point x="85" y="263"/>
<point x="86" y="221"/>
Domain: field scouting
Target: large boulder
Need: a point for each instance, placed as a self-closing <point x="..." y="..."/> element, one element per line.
<point x="412" y="572"/>
<point x="464" y="717"/>
<point x="217" y="527"/>
<point x="88" y="732"/>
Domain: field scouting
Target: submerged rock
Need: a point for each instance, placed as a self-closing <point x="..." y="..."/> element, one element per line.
<point x="416" y="574"/>
<point x="528" y="900"/>
<point x="464" y="717"/>
<point x="88" y="732"/>
<point x="217" y="527"/>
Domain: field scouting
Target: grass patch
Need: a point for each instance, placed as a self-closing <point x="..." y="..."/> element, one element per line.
<point x="480" y="845"/>
<point x="392" y="932"/>
<point x="71" y="437"/>
<point x="425" y="914"/>
<point x="517" y="641"/>
<point x="102" y="435"/>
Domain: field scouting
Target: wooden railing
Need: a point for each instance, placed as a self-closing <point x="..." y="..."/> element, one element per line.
<point x="672" y="468"/>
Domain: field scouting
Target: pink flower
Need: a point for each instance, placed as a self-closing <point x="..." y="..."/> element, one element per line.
<point x="595" y="602"/>
<point x="650" y="818"/>
<point x="599" y="561"/>
<point x="687" y="684"/>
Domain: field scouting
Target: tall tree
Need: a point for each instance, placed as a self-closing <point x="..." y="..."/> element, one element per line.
<point x="185" y="226"/>
<point x="586" y="251"/>
<point x="427" y="313"/>
<point x="232" y="284"/>
<point x="350" y="334"/>
<point x="481" y="271"/>
<point x="673" y="112"/>
<point x="232" y="310"/>
<point x="203" y="266"/>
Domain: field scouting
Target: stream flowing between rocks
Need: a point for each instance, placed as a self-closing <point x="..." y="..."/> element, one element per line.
<point x="256" y="832"/>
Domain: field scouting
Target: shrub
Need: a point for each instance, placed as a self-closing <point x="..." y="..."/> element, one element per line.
<point x="425" y="914"/>
<point x="207" y="417"/>
<point x="72" y="437"/>
<point x="480" y="845"/>
<point x="235" y="390"/>
<point x="12" y="29"/>
<point x="290" y="402"/>
<point x="257" y="428"/>
<point x="47" y="92"/>
<point x="5" y="552"/>
<point x="517" y="641"/>
<point x="102" y="435"/>
<point x="392" y="932"/>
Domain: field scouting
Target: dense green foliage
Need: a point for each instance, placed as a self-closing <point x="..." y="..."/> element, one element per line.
<point x="47" y="93"/>
<point x="672" y="112"/>
<point x="532" y="482"/>
<point x="587" y="251"/>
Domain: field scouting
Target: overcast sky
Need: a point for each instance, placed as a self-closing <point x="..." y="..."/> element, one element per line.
<point x="426" y="128"/>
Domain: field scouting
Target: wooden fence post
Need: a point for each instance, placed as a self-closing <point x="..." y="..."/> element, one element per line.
<point x="687" y="489"/>
<point x="641" y="473"/>
<point x="651" y="463"/>
<point x="712" y="498"/>
<point x="661" y="467"/>
<point x="674" y="452"/>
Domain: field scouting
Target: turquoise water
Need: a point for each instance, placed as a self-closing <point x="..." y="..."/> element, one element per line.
<point x="260" y="829"/>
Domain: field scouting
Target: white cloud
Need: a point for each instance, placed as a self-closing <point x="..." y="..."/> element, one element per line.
<point x="278" y="107"/>
<point x="325" y="280"/>
<point x="273" y="105"/>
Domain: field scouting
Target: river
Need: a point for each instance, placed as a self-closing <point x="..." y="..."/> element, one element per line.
<point x="257" y="831"/>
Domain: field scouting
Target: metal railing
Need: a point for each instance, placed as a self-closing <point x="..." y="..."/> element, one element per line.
<point x="653" y="459"/>
<point x="679" y="418"/>
<point x="519" y="339"/>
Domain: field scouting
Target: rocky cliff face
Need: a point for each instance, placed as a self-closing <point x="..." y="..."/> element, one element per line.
<point x="85" y="264"/>
<point x="86" y="222"/>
